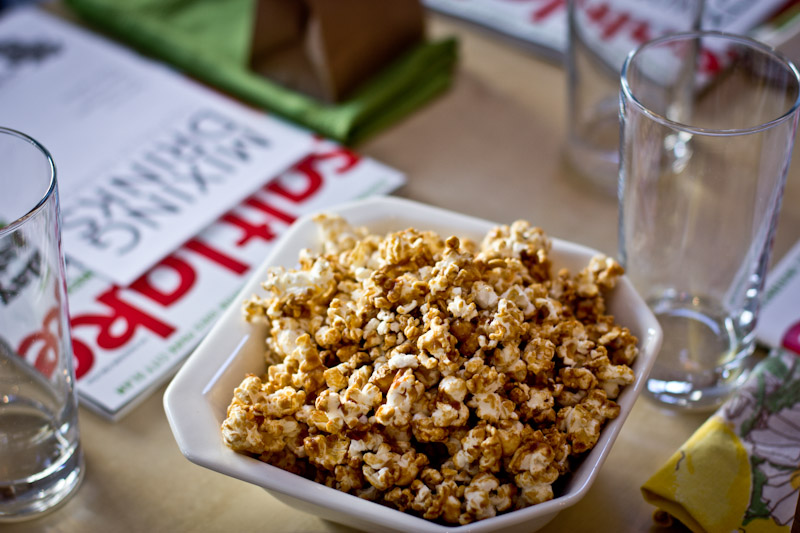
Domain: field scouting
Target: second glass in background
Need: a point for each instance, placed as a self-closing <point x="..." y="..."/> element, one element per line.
<point x="706" y="146"/>
<point x="601" y="34"/>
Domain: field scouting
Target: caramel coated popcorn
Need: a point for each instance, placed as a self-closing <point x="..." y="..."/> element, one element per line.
<point x="441" y="378"/>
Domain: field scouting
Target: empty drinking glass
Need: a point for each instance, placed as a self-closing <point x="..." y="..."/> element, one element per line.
<point x="708" y="125"/>
<point x="601" y="34"/>
<point x="40" y="455"/>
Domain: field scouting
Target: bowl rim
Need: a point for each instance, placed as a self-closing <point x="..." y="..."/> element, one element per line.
<point x="196" y="429"/>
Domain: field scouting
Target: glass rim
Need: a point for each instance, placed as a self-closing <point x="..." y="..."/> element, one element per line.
<point x="15" y="224"/>
<point x="699" y="34"/>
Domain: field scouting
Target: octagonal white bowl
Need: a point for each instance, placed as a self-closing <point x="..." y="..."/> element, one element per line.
<point x="198" y="396"/>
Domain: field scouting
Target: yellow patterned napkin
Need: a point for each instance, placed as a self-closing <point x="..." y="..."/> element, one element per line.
<point x="741" y="470"/>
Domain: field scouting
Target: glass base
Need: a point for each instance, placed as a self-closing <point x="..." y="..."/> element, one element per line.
<point x="32" y="442"/>
<point x="703" y="357"/>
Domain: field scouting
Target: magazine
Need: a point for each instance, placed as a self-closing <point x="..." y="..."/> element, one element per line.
<point x="171" y="195"/>
<point x="779" y="319"/>
<point x="541" y="25"/>
<point x="138" y="148"/>
<point x="128" y="340"/>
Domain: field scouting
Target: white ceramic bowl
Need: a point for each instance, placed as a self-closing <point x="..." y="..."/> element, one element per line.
<point x="197" y="398"/>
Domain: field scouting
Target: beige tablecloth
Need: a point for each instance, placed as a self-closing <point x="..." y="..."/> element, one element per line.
<point x="491" y="147"/>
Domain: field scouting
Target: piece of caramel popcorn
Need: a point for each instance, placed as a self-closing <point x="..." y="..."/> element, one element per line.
<point x="441" y="378"/>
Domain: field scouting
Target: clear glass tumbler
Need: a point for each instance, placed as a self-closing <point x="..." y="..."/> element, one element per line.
<point x="601" y="34"/>
<point x="708" y="125"/>
<point x="40" y="456"/>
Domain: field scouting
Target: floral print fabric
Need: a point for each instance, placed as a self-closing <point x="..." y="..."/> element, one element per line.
<point x="741" y="470"/>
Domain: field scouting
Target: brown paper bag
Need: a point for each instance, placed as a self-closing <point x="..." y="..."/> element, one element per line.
<point x="326" y="48"/>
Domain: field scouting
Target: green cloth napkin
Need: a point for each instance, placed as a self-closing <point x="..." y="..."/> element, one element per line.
<point x="209" y="39"/>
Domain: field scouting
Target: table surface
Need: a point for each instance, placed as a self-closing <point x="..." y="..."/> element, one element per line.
<point x="491" y="147"/>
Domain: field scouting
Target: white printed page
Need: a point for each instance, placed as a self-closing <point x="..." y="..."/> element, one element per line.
<point x="779" y="319"/>
<point x="126" y="340"/>
<point x="145" y="157"/>
<point x="623" y="24"/>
